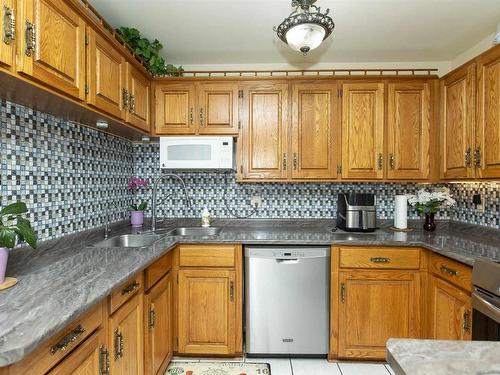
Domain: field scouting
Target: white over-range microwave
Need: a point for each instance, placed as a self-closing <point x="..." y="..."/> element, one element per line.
<point x="196" y="153"/>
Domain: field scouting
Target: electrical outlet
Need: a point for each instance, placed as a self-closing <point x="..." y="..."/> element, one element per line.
<point x="256" y="201"/>
<point x="479" y="202"/>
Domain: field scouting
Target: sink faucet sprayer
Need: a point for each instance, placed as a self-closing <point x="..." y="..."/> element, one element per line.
<point x="155" y="192"/>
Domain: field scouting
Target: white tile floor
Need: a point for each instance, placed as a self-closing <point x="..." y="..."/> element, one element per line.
<point x="300" y="366"/>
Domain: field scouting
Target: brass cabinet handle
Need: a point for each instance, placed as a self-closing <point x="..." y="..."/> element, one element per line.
<point x="9" y="25"/>
<point x="130" y="288"/>
<point x="284" y="162"/>
<point x="103" y="361"/>
<point x="201" y="117"/>
<point x="231" y="291"/>
<point x="131" y="106"/>
<point x="295" y="161"/>
<point x="118" y="344"/>
<point x="380" y="260"/>
<point x="191" y="116"/>
<point x="67" y="340"/>
<point x="468" y="158"/>
<point x="392" y="161"/>
<point x="466" y="321"/>
<point x="477" y="157"/>
<point x="125" y="98"/>
<point x="380" y="161"/>
<point x="152" y="318"/>
<point x="342" y="292"/>
<point x="30" y="39"/>
<point x="449" y="271"/>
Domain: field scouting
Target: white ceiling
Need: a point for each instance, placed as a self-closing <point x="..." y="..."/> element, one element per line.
<point x="240" y="31"/>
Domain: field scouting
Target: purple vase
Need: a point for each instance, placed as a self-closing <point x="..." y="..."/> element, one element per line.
<point x="4" y="255"/>
<point x="429" y="225"/>
<point x="137" y="218"/>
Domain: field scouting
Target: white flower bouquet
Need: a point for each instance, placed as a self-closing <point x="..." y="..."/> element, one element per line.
<point x="430" y="202"/>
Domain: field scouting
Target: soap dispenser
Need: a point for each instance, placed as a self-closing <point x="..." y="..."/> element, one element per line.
<point x="205" y="218"/>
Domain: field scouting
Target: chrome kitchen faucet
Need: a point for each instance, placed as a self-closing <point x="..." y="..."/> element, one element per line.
<point x="155" y="192"/>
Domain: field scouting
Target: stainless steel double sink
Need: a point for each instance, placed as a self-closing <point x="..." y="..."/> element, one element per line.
<point x="147" y="239"/>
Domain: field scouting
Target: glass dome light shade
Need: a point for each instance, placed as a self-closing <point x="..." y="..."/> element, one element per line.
<point x="305" y="37"/>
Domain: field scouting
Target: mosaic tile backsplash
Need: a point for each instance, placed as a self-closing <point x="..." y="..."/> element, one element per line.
<point x="72" y="177"/>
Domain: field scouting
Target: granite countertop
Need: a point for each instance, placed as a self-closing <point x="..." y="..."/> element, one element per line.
<point x="65" y="277"/>
<point x="439" y="357"/>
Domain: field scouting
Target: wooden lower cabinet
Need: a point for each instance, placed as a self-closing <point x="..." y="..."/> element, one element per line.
<point x="376" y="305"/>
<point x="450" y="311"/>
<point x="158" y="327"/>
<point x="207" y="311"/>
<point x="126" y="338"/>
<point x="87" y="359"/>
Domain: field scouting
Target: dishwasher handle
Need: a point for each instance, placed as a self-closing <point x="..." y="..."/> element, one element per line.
<point x="287" y="261"/>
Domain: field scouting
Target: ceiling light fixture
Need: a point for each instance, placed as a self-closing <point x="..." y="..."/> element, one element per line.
<point x="306" y="27"/>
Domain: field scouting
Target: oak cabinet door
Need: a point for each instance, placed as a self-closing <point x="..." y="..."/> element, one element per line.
<point x="138" y="99"/>
<point x="450" y="311"/>
<point x="218" y="108"/>
<point x="87" y="359"/>
<point x="457" y="132"/>
<point x="362" y="131"/>
<point x="175" y="109"/>
<point x="106" y="76"/>
<point x="264" y="151"/>
<point x="388" y="300"/>
<point x="8" y="33"/>
<point x="53" y="42"/>
<point x="314" y="147"/>
<point x="207" y="312"/>
<point x="408" y="131"/>
<point x="126" y="338"/>
<point x="158" y="327"/>
<point x="487" y="152"/>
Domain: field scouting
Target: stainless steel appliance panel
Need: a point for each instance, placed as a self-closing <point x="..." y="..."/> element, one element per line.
<point x="287" y="300"/>
<point x="486" y="301"/>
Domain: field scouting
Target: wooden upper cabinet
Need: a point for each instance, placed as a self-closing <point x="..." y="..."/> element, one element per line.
<point x="457" y="131"/>
<point x="375" y="306"/>
<point x="363" y="130"/>
<point x="207" y="312"/>
<point x="87" y="359"/>
<point x="138" y="98"/>
<point x="218" y="108"/>
<point x="53" y="46"/>
<point x="408" y="131"/>
<point x="487" y="151"/>
<point x="264" y="149"/>
<point x="8" y="33"/>
<point x="126" y="338"/>
<point x="158" y="326"/>
<point x="314" y="137"/>
<point x="449" y="311"/>
<point x="106" y="76"/>
<point x="175" y="109"/>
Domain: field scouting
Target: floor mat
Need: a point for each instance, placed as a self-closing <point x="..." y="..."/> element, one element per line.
<point x="218" y="368"/>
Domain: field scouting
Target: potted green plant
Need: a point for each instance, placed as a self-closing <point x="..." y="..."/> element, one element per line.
<point x="14" y="229"/>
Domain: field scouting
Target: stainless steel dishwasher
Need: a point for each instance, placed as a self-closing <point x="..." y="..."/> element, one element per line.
<point x="287" y="300"/>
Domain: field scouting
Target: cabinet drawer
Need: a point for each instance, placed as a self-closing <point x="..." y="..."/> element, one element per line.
<point x="56" y="348"/>
<point x="125" y="292"/>
<point x="207" y="255"/>
<point x="385" y="258"/>
<point x="454" y="272"/>
<point x="157" y="270"/>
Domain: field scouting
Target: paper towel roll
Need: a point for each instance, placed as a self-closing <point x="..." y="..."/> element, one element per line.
<point x="400" y="212"/>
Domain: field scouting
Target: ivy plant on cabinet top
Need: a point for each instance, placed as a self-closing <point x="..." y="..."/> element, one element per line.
<point x="149" y="52"/>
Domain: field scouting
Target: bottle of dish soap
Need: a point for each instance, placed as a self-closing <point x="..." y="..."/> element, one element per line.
<point x="205" y="218"/>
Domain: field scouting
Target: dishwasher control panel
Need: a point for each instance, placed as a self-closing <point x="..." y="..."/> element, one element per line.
<point x="287" y="252"/>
